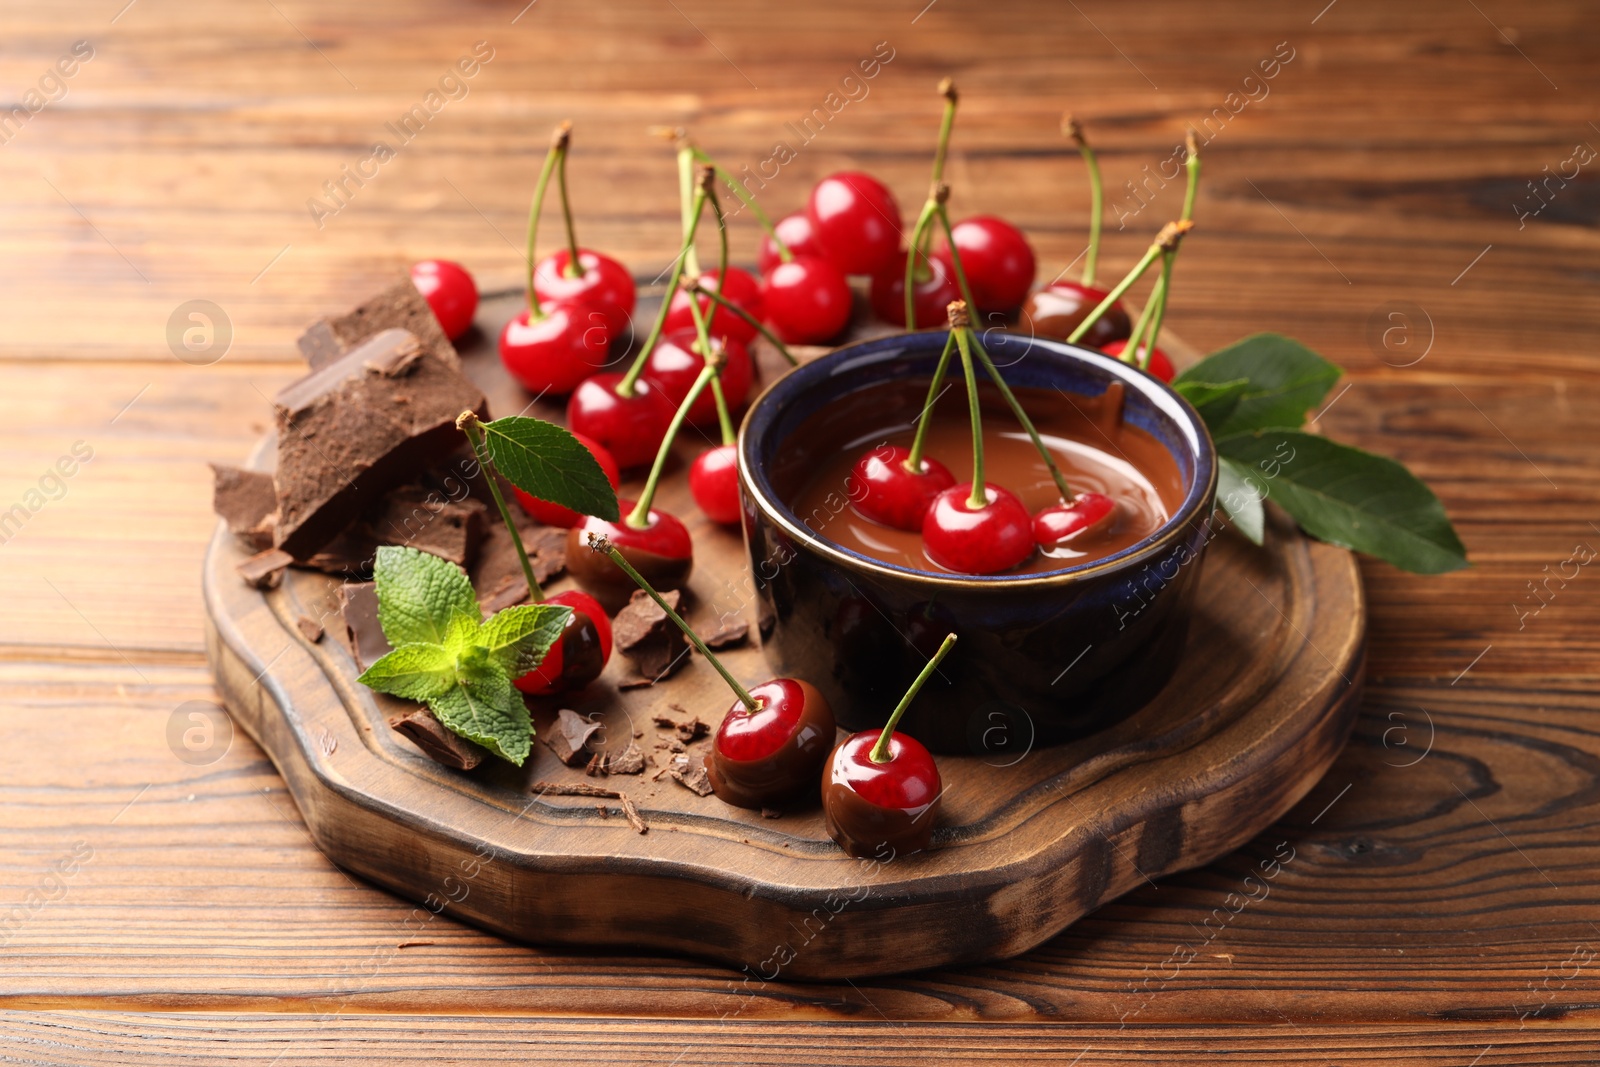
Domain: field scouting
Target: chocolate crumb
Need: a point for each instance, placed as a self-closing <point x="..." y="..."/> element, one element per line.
<point x="596" y="765"/>
<point x="605" y="812"/>
<point x="584" y="789"/>
<point x="629" y="761"/>
<point x="631" y="813"/>
<point x="437" y="741"/>
<point x="264" y="570"/>
<point x="730" y="633"/>
<point x="311" y="628"/>
<point x="692" y="731"/>
<point x="568" y="736"/>
<point x="696" y="781"/>
<point x="647" y="637"/>
<point x="413" y="944"/>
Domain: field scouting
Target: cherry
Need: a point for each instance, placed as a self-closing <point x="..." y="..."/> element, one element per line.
<point x="795" y="232"/>
<point x="895" y="494"/>
<point x="555" y="348"/>
<point x="660" y="549"/>
<point x="772" y="755"/>
<point x="1160" y="364"/>
<point x="740" y="288"/>
<point x="629" y="427"/>
<point x="997" y="258"/>
<point x="605" y="285"/>
<point x="554" y="514"/>
<point x="856" y="222"/>
<point x="977" y="540"/>
<point x="932" y="292"/>
<point x="882" y="788"/>
<point x="579" y="654"/>
<point x="675" y="363"/>
<point x="807" y="300"/>
<point x="449" y="291"/>
<point x="1086" y="517"/>
<point x="714" y="484"/>
<point x="1058" y="308"/>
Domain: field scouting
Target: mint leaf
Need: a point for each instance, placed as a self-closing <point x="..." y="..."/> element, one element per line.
<point x="1351" y="498"/>
<point x="1286" y="379"/>
<point x="517" y="638"/>
<point x="483" y="706"/>
<point x="419" y="595"/>
<point x="545" y="460"/>
<point x="1214" y="401"/>
<point x="1240" y="495"/>
<point x="415" y="672"/>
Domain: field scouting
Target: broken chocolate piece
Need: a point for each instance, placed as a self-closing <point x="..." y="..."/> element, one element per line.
<point x="247" y="502"/>
<point x="696" y="781"/>
<point x="422" y="519"/>
<point x="437" y="741"/>
<point x="359" y="426"/>
<point x="584" y="789"/>
<point x="629" y="761"/>
<point x="648" y="638"/>
<point x="311" y="628"/>
<point x="498" y="571"/>
<point x="399" y="307"/>
<point x="568" y="736"/>
<point x="358" y="606"/>
<point x="596" y="765"/>
<point x="730" y="633"/>
<point x="264" y="570"/>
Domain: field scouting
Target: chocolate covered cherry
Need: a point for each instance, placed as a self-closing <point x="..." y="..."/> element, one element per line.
<point x="661" y="550"/>
<point x="1058" y="308"/>
<point x="579" y="654"/>
<point x="1085" y="517"/>
<point x="771" y="756"/>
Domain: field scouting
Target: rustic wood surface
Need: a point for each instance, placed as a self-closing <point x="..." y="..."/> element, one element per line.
<point x="1443" y="894"/>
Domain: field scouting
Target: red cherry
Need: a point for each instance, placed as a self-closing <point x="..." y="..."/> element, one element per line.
<point x="867" y="805"/>
<point x="674" y="365"/>
<point x="1088" y="516"/>
<point x="579" y="654"/>
<point x="773" y="755"/>
<point x="894" y="495"/>
<point x="1058" y="308"/>
<point x="606" y="285"/>
<point x="856" y="221"/>
<point x="740" y="288"/>
<point x="807" y="300"/>
<point x="449" y="291"/>
<point x="796" y="232"/>
<point x="988" y="540"/>
<point x="557" y="351"/>
<point x="1160" y="364"/>
<point x="556" y="515"/>
<point x="629" y="427"/>
<point x="932" y="294"/>
<point x="714" y="483"/>
<point x="998" y="260"/>
<point x="662" y="552"/>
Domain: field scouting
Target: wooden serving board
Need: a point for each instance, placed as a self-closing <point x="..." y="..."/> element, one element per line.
<point x="1029" y="841"/>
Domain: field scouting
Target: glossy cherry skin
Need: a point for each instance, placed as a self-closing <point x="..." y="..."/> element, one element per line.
<point x="674" y="365"/>
<point x="988" y="540"/>
<point x="806" y="301"/>
<point x="932" y="293"/>
<point x="1160" y="363"/>
<point x="1088" y="516"/>
<point x="893" y="495"/>
<point x="449" y="291"/>
<point x="772" y="756"/>
<point x="556" y="515"/>
<point x="881" y="810"/>
<point x="629" y="427"/>
<point x="1058" y="308"/>
<point x="796" y="233"/>
<point x="662" y="552"/>
<point x="606" y="285"/>
<point x="554" y="353"/>
<point x="741" y="288"/>
<point x="998" y="260"/>
<point x="579" y="654"/>
<point x="714" y="484"/>
<point x="856" y="221"/>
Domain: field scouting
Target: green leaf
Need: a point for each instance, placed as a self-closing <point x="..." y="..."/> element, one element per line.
<point x="517" y="638"/>
<point x="545" y="460"/>
<point x="1240" y="496"/>
<point x="1351" y="498"/>
<point x="483" y="706"/>
<point x="1214" y="401"/>
<point x="1286" y="378"/>
<point x="419" y="595"/>
<point x="415" y="672"/>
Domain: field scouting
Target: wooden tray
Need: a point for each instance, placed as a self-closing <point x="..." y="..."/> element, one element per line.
<point x="1029" y="841"/>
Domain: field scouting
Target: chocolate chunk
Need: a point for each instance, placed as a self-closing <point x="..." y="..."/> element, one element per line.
<point x="422" y="519"/>
<point x="688" y="730"/>
<point x="247" y="502"/>
<point x="696" y="781"/>
<point x="351" y="552"/>
<point x="358" y="427"/>
<point x="648" y="638"/>
<point x="437" y="741"/>
<point x="730" y="633"/>
<point x="629" y="761"/>
<point x="264" y="570"/>
<point x="568" y="736"/>
<point x="692" y="731"/>
<point x="399" y="307"/>
<point x="497" y="574"/>
<point x="358" y="606"/>
<point x="596" y="765"/>
<point x="311" y="628"/>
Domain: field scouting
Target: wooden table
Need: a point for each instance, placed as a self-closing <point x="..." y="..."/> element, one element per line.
<point x="1440" y="906"/>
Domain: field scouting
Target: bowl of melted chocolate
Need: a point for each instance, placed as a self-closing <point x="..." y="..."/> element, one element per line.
<point x="1075" y="637"/>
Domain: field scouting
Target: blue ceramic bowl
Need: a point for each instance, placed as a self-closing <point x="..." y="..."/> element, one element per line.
<point x="1042" y="657"/>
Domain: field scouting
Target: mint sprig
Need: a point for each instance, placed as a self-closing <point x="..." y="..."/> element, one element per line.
<point x="447" y="655"/>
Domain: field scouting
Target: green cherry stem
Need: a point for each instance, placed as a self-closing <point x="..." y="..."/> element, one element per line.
<point x="601" y="544"/>
<point x="757" y="324"/>
<point x="467" y="422"/>
<point x="1097" y="195"/>
<point x="574" y="268"/>
<point x="1164" y="286"/>
<point x="686" y="192"/>
<point x="880" y="751"/>
<point x="1165" y="241"/>
<point x="1131" y="349"/>
<point x="955" y="257"/>
<point x="947" y="89"/>
<point x="639" y="517"/>
<point x="749" y="201"/>
<point x="959" y="323"/>
<point x="724" y="420"/>
<point x="679" y="265"/>
<point x="913" y="462"/>
<point x="558" y="142"/>
<point x="1191" y="164"/>
<point x="930" y="207"/>
<point x="1022" y="417"/>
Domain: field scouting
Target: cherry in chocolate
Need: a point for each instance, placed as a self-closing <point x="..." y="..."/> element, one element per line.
<point x="897" y="490"/>
<point x="579" y="654"/>
<point x="660" y="549"/>
<point x="881" y="791"/>
<point x="1084" y="518"/>
<point x="1060" y="307"/>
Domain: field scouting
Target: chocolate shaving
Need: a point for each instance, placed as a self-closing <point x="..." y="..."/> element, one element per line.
<point x="648" y="638"/>
<point x="247" y="502"/>
<point x="596" y="765"/>
<point x="584" y="789"/>
<point x="400" y="306"/>
<point x="437" y="741"/>
<point x="568" y="736"/>
<point x="311" y="628"/>
<point x="264" y="570"/>
<point x="696" y="781"/>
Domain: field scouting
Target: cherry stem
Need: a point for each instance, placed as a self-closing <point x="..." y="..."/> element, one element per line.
<point x="724" y="420"/>
<point x="930" y="207"/>
<point x="639" y="517"/>
<point x="574" y="268"/>
<point x="703" y="342"/>
<point x="1022" y="417"/>
<point x="1167" y="240"/>
<point x="679" y="265"/>
<point x="1097" y="196"/>
<point x="955" y="258"/>
<point x="913" y="462"/>
<point x="1191" y="163"/>
<point x="1130" y="351"/>
<point x="979" y="497"/>
<point x="468" y="424"/>
<point x="1164" y="285"/>
<point x="754" y="322"/>
<point x="947" y="89"/>
<point x="749" y="200"/>
<point x="601" y="544"/>
<point x="690" y="217"/>
<point x="557" y="143"/>
<point x="880" y="751"/>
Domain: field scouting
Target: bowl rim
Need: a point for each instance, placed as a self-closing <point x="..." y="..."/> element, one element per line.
<point x="1165" y="400"/>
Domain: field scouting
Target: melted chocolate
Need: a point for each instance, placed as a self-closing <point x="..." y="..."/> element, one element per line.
<point x="1057" y="312"/>
<point x="787" y="776"/>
